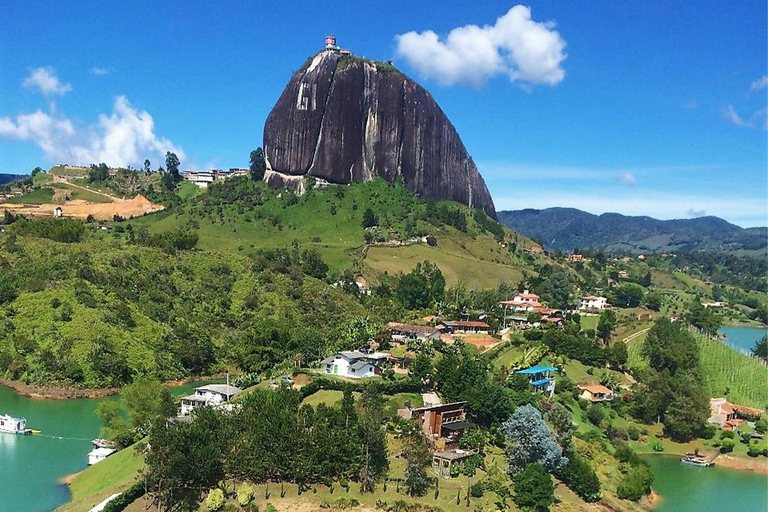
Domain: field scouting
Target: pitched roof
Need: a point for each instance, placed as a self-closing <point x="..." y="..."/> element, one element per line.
<point x="465" y="323"/>
<point x="359" y="364"/>
<point x="416" y="329"/>
<point x="595" y="389"/>
<point x="222" y="389"/>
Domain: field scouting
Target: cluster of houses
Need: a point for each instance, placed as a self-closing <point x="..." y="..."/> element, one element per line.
<point x="204" y="178"/>
<point x="522" y="304"/>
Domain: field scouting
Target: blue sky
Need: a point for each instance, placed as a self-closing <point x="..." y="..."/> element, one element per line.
<point x="654" y="108"/>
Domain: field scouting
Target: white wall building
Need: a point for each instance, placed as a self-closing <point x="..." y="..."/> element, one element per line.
<point x="355" y="365"/>
<point x="213" y="395"/>
<point x="592" y="302"/>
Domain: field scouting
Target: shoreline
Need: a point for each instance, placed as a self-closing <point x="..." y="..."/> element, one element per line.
<point x="67" y="393"/>
<point x="757" y="465"/>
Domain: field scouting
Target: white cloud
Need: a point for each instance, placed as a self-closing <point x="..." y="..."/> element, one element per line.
<point x="46" y="81"/>
<point x="731" y="115"/>
<point x="525" y="50"/>
<point x="101" y="71"/>
<point x="758" y="119"/>
<point x="696" y="213"/>
<point x="126" y="137"/>
<point x="626" y="178"/>
<point x="760" y="83"/>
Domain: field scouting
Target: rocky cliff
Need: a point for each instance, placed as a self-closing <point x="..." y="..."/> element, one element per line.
<point x="345" y="119"/>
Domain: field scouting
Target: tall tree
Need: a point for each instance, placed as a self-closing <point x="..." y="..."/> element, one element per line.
<point x="374" y="439"/>
<point x="529" y="440"/>
<point x="418" y="454"/>
<point x="147" y="165"/>
<point x="534" y="489"/>
<point x="172" y="165"/>
<point x="258" y="164"/>
<point x="605" y="325"/>
<point x="761" y="348"/>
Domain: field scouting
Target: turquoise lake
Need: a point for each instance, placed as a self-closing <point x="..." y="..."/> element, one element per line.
<point x="32" y="466"/>
<point x="685" y="488"/>
<point x="742" y="338"/>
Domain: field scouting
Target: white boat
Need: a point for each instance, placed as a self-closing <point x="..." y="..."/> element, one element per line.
<point x="11" y="425"/>
<point x="99" y="454"/>
<point x="695" y="459"/>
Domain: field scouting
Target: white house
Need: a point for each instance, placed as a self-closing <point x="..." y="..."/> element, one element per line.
<point x="213" y="395"/>
<point x="525" y="301"/>
<point x="591" y="302"/>
<point x="354" y="364"/>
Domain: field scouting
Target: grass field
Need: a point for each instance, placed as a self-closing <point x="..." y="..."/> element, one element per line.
<point x="188" y="190"/>
<point x="459" y="259"/>
<point x="98" y="482"/>
<point x="589" y="322"/>
<point x="38" y="196"/>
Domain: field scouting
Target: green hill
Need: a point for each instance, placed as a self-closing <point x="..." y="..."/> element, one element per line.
<point x="240" y="216"/>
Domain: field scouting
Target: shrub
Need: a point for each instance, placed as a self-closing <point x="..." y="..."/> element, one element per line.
<point x="534" y="488"/>
<point x="244" y="494"/>
<point x="595" y="414"/>
<point x="633" y="433"/>
<point x="270" y="508"/>
<point x="477" y="489"/>
<point x="579" y="476"/>
<point x="727" y="445"/>
<point x="125" y="498"/>
<point x="754" y="449"/>
<point x="636" y="483"/>
<point x="215" y="500"/>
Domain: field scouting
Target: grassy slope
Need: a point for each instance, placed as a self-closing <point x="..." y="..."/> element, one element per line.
<point x="330" y="221"/>
<point x="39" y="196"/>
<point x="745" y="378"/>
<point x="98" y="482"/>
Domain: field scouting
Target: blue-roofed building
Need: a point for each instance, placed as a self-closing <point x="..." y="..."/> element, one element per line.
<point x="540" y="378"/>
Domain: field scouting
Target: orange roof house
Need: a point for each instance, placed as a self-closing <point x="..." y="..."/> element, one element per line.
<point x="729" y="416"/>
<point x="595" y="393"/>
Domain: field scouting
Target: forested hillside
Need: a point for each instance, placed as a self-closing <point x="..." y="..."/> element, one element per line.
<point x="568" y="229"/>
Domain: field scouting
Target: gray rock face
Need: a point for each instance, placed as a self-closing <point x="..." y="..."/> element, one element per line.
<point x="346" y="119"/>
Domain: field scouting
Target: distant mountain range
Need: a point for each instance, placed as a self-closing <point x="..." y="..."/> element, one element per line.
<point x="566" y="229"/>
<point x="7" y="178"/>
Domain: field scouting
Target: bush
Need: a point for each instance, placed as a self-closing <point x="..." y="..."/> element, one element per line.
<point x="727" y="445"/>
<point x="579" y="476"/>
<point x="215" y="500"/>
<point x="125" y="498"/>
<point x="270" y="508"/>
<point x="595" y="414"/>
<point x="245" y="494"/>
<point x="633" y="433"/>
<point x="636" y="483"/>
<point x="754" y="449"/>
<point x="534" y="488"/>
<point x="477" y="489"/>
<point x="726" y="434"/>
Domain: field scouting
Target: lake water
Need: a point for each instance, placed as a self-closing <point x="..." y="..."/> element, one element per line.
<point x="31" y="466"/>
<point x="743" y="338"/>
<point x="685" y="488"/>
